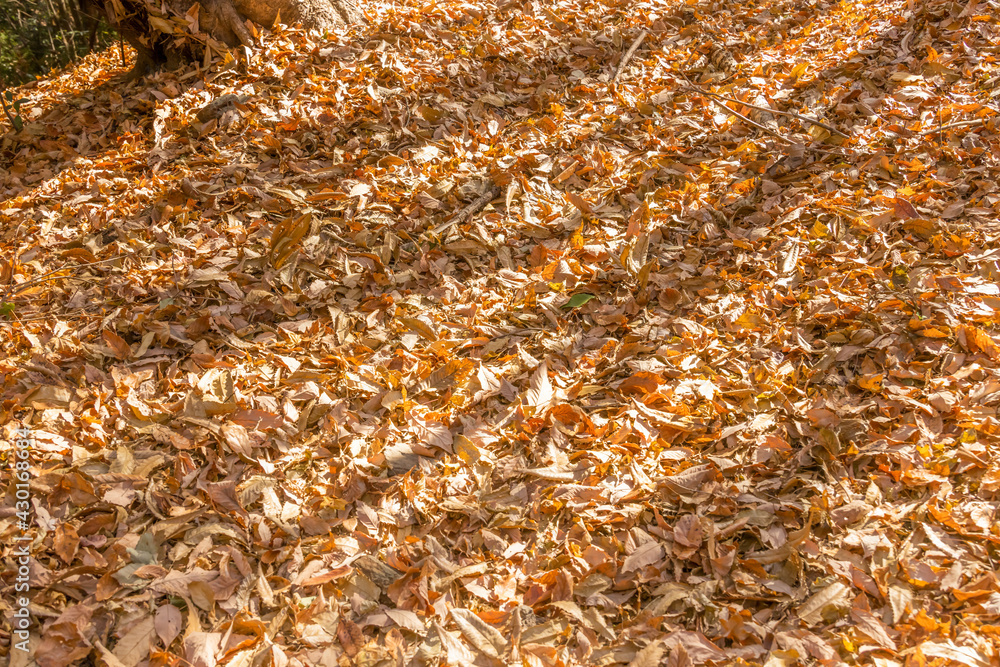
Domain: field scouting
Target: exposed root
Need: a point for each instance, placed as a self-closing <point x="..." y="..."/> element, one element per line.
<point x="223" y="20"/>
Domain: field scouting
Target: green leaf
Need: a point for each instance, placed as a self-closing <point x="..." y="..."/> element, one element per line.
<point x="578" y="300"/>
<point x="6" y="309"/>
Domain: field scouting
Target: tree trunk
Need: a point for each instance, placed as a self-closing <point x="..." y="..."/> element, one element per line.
<point x="321" y="14"/>
<point x="178" y="34"/>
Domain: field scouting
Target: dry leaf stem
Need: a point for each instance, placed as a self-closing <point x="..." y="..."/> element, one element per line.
<point x="750" y="122"/>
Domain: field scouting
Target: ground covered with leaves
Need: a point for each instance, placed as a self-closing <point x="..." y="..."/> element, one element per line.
<point x="570" y="333"/>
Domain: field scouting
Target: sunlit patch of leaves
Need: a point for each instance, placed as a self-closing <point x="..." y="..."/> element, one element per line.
<point x="693" y="386"/>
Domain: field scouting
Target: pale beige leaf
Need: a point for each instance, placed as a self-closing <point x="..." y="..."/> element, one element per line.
<point x="167" y="623"/>
<point x="539" y="393"/>
<point x="649" y="656"/>
<point x="644" y="554"/>
<point x="484" y="637"/>
<point x="811" y="611"/>
<point x="133" y="648"/>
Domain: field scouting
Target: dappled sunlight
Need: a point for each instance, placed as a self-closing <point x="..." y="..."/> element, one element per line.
<point x="586" y="333"/>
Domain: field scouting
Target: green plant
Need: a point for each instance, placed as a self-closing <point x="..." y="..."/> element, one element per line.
<point x="9" y="102"/>
<point x="36" y="37"/>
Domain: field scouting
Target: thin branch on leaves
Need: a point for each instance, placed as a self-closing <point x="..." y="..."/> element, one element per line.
<point x="463" y="216"/>
<point x="750" y="122"/>
<point x="791" y="114"/>
<point x="628" y="55"/>
<point x="710" y="96"/>
<point x="20" y="287"/>
<point x="951" y="126"/>
<point x="770" y="131"/>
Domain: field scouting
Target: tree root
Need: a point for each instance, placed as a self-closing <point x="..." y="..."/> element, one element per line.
<point x="223" y="20"/>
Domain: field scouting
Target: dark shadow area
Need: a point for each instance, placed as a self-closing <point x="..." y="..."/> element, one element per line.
<point x="79" y="124"/>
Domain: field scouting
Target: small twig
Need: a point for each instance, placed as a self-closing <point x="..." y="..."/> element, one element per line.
<point x="463" y="216"/>
<point x="492" y="192"/>
<point x="773" y="133"/>
<point x="792" y="114"/>
<point x="628" y="55"/>
<point x="747" y="120"/>
<point x="696" y="89"/>
<point x="121" y="49"/>
<point x="949" y="126"/>
<point x="20" y="287"/>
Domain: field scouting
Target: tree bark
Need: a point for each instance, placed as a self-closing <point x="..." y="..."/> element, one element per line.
<point x="321" y="14"/>
<point x="159" y="37"/>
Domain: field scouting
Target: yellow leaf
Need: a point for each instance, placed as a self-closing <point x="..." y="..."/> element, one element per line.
<point x="466" y="449"/>
<point x="975" y="339"/>
<point x="162" y="25"/>
<point x="871" y="382"/>
<point x="818" y="133"/>
<point x="935" y="332"/>
<point x="797" y="71"/>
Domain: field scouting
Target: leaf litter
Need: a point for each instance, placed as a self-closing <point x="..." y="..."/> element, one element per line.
<point x="578" y="333"/>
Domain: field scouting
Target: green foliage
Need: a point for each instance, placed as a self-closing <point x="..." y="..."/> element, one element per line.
<point x="39" y="35"/>
<point x="12" y="107"/>
<point x="578" y="300"/>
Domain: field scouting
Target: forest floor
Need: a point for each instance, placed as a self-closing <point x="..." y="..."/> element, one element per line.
<point x="696" y="382"/>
